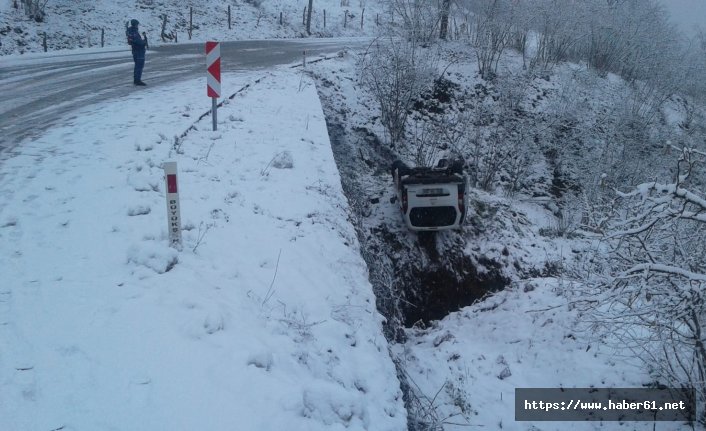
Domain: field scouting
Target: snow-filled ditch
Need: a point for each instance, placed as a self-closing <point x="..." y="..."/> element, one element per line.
<point x="265" y="319"/>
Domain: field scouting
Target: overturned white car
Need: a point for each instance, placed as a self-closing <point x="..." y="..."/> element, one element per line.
<point x="431" y="199"/>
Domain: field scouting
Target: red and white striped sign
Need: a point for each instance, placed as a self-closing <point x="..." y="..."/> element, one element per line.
<point x="213" y="71"/>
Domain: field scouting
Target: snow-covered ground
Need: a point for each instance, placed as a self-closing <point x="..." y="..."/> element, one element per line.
<point x="468" y="365"/>
<point x="77" y="24"/>
<point x="266" y="318"/>
<point x="264" y="321"/>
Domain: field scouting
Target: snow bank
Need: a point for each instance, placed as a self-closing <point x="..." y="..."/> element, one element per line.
<point x="524" y="337"/>
<point x="264" y="321"/>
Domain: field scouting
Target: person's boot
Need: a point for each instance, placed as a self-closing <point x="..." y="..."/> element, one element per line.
<point x="139" y="83"/>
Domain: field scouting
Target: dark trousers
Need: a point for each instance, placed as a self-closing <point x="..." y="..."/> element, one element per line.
<point x="139" y="58"/>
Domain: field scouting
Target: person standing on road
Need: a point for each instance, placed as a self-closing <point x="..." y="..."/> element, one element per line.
<point x="139" y="46"/>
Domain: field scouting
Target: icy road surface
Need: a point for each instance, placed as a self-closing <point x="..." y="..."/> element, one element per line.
<point x="38" y="88"/>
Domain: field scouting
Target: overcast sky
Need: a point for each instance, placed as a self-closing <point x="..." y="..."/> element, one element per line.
<point x="687" y="13"/>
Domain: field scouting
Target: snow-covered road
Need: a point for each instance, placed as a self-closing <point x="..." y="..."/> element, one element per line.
<point x="38" y="89"/>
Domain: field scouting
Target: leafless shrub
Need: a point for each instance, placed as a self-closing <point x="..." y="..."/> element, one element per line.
<point x="490" y="34"/>
<point x="517" y="167"/>
<point x="426" y="149"/>
<point x="270" y="289"/>
<point x="35" y="9"/>
<point x="653" y="298"/>
<point x="298" y="321"/>
<point x="424" y="412"/>
<point x="163" y="33"/>
<point x="260" y="14"/>
<point x="555" y="32"/>
<point x="420" y="19"/>
<point x="512" y="90"/>
<point x="396" y="72"/>
<point x="452" y="129"/>
<point x="520" y="30"/>
<point x="203" y="230"/>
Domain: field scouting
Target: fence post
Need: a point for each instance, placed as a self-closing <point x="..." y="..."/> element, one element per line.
<point x="191" y="21"/>
<point x="324" y="19"/>
<point x="308" y="17"/>
<point x="362" y="13"/>
<point x="304" y="16"/>
<point x="304" y="59"/>
<point x="280" y="18"/>
<point x="44" y="41"/>
<point x="345" y="19"/>
<point x="102" y="37"/>
<point x="377" y="20"/>
<point x="229" y="25"/>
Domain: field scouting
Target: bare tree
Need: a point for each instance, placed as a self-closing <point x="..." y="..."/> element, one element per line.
<point x="654" y="298"/>
<point x="521" y="25"/>
<point x="444" y="25"/>
<point x="696" y="79"/>
<point x="420" y="18"/>
<point x="556" y="36"/>
<point x="490" y="34"/>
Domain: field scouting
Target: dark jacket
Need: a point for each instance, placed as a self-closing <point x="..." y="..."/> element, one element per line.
<point x="136" y="41"/>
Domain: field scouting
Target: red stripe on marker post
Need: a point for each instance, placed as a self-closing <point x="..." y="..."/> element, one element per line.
<point x="214" y="70"/>
<point x="173" y="211"/>
<point x="171" y="183"/>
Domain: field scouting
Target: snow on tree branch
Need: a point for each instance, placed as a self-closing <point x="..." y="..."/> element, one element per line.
<point x="655" y="295"/>
<point x="651" y="203"/>
<point x="640" y="269"/>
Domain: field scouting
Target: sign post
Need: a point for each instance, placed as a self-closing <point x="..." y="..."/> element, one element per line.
<point x="173" y="210"/>
<point x="213" y="76"/>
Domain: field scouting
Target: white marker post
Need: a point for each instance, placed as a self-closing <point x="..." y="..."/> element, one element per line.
<point x="213" y="76"/>
<point x="173" y="211"/>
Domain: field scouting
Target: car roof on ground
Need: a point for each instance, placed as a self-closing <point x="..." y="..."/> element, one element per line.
<point x="428" y="176"/>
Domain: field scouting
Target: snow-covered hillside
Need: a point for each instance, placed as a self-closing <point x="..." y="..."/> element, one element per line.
<point x="461" y="367"/>
<point x="264" y="321"/>
<point x="71" y="24"/>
